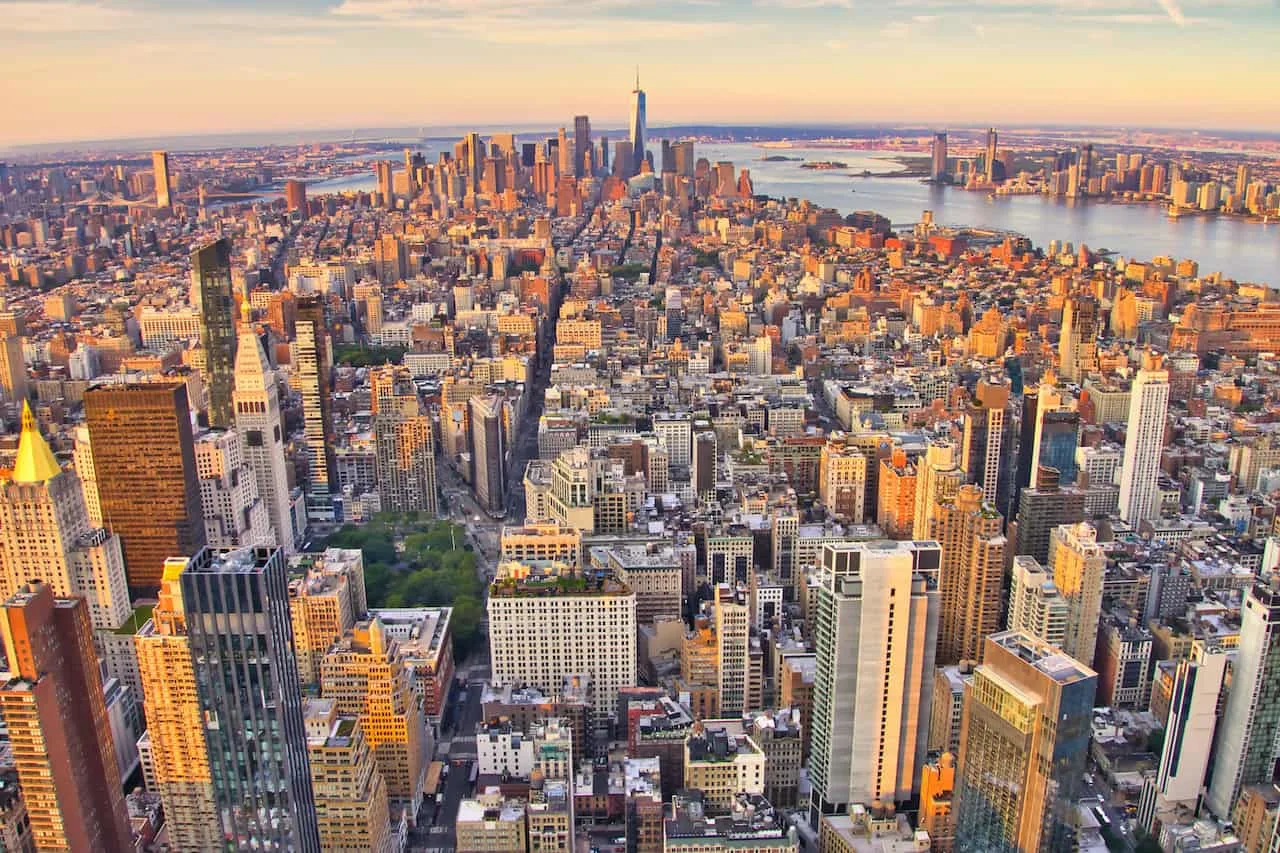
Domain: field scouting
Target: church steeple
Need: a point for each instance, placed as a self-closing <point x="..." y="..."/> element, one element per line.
<point x="35" y="462"/>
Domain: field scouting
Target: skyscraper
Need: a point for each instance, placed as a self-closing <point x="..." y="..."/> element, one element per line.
<point x="257" y="407"/>
<point x="1198" y="683"/>
<point x="582" y="150"/>
<point x="489" y="452"/>
<point x="990" y="164"/>
<point x="160" y="168"/>
<point x="211" y="268"/>
<point x="1024" y="742"/>
<point x="1245" y="753"/>
<point x="235" y="515"/>
<point x="385" y="170"/>
<point x="236" y="606"/>
<point x="873" y="686"/>
<point x="1079" y="564"/>
<point x="1144" y="439"/>
<point x="410" y="179"/>
<point x="939" y="168"/>
<point x="13" y="368"/>
<point x="365" y="674"/>
<point x="46" y="535"/>
<point x="637" y="132"/>
<point x="937" y="477"/>
<point x="1078" y="341"/>
<point x="295" y="196"/>
<point x="970" y="532"/>
<point x="175" y="720"/>
<point x="54" y="709"/>
<point x="984" y="437"/>
<point x="312" y="347"/>
<point x="144" y="461"/>
<point x="405" y="449"/>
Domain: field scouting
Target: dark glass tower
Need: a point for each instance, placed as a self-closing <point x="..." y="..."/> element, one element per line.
<point x="238" y="627"/>
<point x="211" y="267"/>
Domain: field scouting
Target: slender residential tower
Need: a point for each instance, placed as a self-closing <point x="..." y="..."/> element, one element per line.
<point x="1144" y="439"/>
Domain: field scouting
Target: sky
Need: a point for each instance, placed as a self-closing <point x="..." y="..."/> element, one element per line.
<point x="105" y="69"/>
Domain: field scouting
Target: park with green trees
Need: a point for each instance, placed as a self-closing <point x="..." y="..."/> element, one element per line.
<point x="414" y="560"/>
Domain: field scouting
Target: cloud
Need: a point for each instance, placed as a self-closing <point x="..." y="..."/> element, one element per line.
<point x="299" y="39"/>
<point x="1174" y="12"/>
<point x="805" y="4"/>
<point x="60" y="16"/>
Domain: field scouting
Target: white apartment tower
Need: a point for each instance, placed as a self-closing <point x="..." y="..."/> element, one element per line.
<point x="1144" y="439"/>
<point x="1036" y="607"/>
<point x="1246" y="749"/>
<point x="257" y="413"/>
<point x="876" y="624"/>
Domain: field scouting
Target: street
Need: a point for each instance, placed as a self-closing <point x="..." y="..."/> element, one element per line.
<point x="435" y="831"/>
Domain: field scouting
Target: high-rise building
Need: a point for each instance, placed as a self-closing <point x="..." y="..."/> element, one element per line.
<point x="410" y="175"/>
<point x="257" y="408"/>
<point x="582" y="149"/>
<point x="295" y="196"/>
<point x="386" y="171"/>
<point x="1024" y="744"/>
<point x="312" y="348"/>
<point x="235" y="515"/>
<point x="1078" y="340"/>
<point x="366" y="675"/>
<point x="984" y="436"/>
<point x="1198" y="684"/>
<point x="1036" y="607"/>
<point x="144" y="459"/>
<point x="352" y="812"/>
<point x="1245" y="752"/>
<point x="59" y="732"/>
<point x="46" y="534"/>
<point x="1078" y="564"/>
<point x="1144" y="439"/>
<point x="939" y="158"/>
<point x="874" y="680"/>
<point x="896" y="496"/>
<point x="180" y="771"/>
<point x="13" y="368"/>
<point x="733" y="653"/>
<point x="548" y="622"/>
<point x="405" y="447"/>
<point x="990" y="161"/>
<point x="160" y="168"/>
<point x="236" y="607"/>
<point x="971" y="534"/>
<point x="637" y="132"/>
<point x="489" y="417"/>
<point x="1042" y="509"/>
<point x="938" y="477"/>
<point x="842" y="487"/>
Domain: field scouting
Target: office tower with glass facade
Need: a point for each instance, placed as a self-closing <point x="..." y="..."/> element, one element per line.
<point x="637" y="128"/>
<point x="236" y="605"/>
<point x="876" y="630"/>
<point x="145" y="465"/>
<point x="939" y="158"/>
<point x="211" y="270"/>
<point x="59" y="732"/>
<point x="1024" y="743"/>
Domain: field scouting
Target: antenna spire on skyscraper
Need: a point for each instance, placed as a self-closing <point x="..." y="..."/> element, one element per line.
<point x="637" y="78"/>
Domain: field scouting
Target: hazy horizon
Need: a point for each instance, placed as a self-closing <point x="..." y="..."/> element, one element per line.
<point x="91" y="70"/>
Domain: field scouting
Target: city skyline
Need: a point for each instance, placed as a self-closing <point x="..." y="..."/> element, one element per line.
<point x="270" y="67"/>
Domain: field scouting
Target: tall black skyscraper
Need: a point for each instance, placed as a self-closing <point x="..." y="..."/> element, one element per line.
<point x="241" y="639"/>
<point x="582" y="153"/>
<point x="211" y="268"/>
